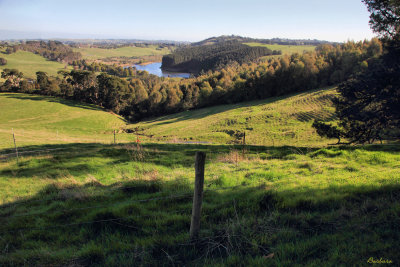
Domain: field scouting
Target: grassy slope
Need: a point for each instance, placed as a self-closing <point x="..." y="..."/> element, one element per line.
<point x="99" y="53"/>
<point x="29" y="63"/>
<point x="310" y="206"/>
<point x="47" y="120"/>
<point x="286" y="49"/>
<point x="274" y="121"/>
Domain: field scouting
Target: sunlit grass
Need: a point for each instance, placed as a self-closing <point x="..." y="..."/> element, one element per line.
<point x="29" y="63"/>
<point x="129" y="51"/>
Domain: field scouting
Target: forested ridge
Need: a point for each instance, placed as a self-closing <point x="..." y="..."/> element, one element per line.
<point x="194" y="59"/>
<point x="143" y="95"/>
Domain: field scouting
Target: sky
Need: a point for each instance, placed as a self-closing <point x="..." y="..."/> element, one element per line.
<point x="334" y="20"/>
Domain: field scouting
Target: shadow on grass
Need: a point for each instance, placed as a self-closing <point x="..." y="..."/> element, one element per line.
<point x="94" y="224"/>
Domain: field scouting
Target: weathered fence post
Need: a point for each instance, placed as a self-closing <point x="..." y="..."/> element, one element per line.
<point x="198" y="194"/>
<point x="15" y="145"/>
<point x="114" y="138"/>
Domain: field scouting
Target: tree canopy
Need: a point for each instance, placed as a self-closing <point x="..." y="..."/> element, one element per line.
<point x="368" y="105"/>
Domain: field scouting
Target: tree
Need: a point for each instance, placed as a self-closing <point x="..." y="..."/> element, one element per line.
<point x="12" y="77"/>
<point x="385" y="17"/>
<point x="368" y="105"/>
<point x="42" y="80"/>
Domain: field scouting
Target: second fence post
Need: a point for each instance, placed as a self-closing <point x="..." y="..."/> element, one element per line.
<point x="198" y="194"/>
<point x="15" y="145"/>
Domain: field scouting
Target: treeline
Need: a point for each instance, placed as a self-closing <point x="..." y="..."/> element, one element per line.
<point x="194" y="59"/>
<point x="146" y="95"/>
<point x="52" y="50"/>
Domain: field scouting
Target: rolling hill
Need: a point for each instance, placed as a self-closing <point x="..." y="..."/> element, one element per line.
<point x="274" y="121"/>
<point x="80" y="202"/>
<point x="128" y="51"/>
<point x="29" y="63"/>
<point x="38" y="120"/>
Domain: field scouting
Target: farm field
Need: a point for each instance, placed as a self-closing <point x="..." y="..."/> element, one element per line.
<point x="38" y="120"/>
<point x="29" y="63"/>
<point x="130" y="51"/>
<point x="286" y="49"/>
<point x="274" y="121"/>
<point x="80" y="200"/>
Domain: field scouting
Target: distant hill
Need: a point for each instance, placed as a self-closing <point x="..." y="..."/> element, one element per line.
<point x="222" y="39"/>
<point x="194" y="59"/>
<point x="215" y="52"/>
<point x="278" y="41"/>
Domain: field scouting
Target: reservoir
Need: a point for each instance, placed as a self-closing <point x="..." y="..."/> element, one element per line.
<point x="155" y="68"/>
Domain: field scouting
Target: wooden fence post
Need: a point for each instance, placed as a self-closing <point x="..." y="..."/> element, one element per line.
<point x="244" y="144"/>
<point x="114" y="138"/>
<point x="15" y="145"/>
<point x="198" y="194"/>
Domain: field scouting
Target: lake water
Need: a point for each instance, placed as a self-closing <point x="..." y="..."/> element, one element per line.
<point x="155" y="68"/>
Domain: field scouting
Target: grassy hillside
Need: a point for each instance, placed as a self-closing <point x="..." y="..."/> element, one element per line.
<point x="130" y="51"/>
<point x="29" y="63"/>
<point x="274" y="121"/>
<point x="285" y="120"/>
<point x="293" y="202"/>
<point x="48" y="120"/>
<point x="286" y="49"/>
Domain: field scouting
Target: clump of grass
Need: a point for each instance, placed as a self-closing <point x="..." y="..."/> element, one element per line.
<point x="136" y="151"/>
<point x="234" y="156"/>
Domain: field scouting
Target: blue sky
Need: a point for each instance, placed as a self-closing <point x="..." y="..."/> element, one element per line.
<point x="338" y="20"/>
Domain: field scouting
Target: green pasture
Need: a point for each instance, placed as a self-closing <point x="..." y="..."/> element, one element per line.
<point x="39" y="119"/>
<point x="129" y="51"/>
<point x="29" y="63"/>
<point x="268" y="206"/>
<point x="72" y="198"/>
<point x="283" y="120"/>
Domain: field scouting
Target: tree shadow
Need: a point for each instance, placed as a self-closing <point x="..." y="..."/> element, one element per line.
<point x="153" y="216"/>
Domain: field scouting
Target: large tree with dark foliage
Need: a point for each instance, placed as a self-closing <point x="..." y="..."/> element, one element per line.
<point x="369" y="103"/>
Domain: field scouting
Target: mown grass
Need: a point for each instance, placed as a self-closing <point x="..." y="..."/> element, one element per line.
<point x="29" y="63"/>
<point x="286" y="49"/>
<point x="271" y="206"/>
<point x="130" y="51"/>
<point x="278" y="121"/>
